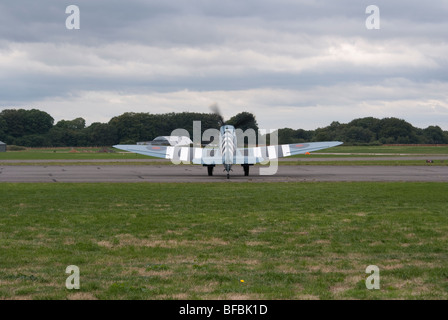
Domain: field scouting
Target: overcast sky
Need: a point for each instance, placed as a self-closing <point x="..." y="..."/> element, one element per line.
<point x="293" y="63"/>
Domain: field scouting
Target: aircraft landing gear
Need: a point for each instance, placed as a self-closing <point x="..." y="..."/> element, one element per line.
<point x="228" y="168"/>
<point x="246" y="169"/>
<point x="210" y="170"/>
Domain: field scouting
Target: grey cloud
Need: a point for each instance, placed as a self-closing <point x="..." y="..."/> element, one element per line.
<point x="179" y="22"/>
<point x="141" y="47"/>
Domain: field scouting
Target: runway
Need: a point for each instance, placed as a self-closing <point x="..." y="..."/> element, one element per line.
<point x="195" y="173"/>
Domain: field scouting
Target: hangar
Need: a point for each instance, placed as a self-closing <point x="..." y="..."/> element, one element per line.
<point x="2" y="147"/>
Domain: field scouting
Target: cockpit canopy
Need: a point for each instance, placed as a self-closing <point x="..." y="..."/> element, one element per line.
<point x="227" y="128"/>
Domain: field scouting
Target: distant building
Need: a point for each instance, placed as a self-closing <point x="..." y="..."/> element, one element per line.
<point x="2" y="147"/>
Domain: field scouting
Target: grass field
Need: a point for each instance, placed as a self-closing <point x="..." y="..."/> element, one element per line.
<point x="402" y="162"/>
<point x="388" y="149"/>
<point x="198" y="241"/>
<point x="68" y="154"/>
<point x="97" y="153"/>
<point x="81" y="156"/>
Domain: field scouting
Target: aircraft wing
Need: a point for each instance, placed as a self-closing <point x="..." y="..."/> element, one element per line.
<point x="262" y="154"/>
<point x="212" y="156"/>
<point x="177" y="155"/>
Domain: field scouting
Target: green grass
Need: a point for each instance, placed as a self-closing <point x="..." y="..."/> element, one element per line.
<point x="89" y="163"/>
<point x="403" y="162"/>
<point x="388" y="149"/>
<point x="68" y="154"/>
<point x="197" y="241"/>
<point x="96" y="154"/>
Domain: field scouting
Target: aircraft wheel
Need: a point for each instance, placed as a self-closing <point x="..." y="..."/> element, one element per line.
<point x="210" y="170"/>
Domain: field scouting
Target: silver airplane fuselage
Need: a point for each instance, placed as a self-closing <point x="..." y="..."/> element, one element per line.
<point x="227" y="145"/>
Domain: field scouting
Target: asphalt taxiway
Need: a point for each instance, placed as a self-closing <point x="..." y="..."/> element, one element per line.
<point x="197" y="173"/>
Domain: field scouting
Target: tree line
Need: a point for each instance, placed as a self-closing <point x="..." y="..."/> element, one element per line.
<point x="368" y="131"/>
<point x="36" y="128"/>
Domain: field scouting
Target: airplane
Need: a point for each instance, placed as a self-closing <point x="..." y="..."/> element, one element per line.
<point x="227" y="152"/>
